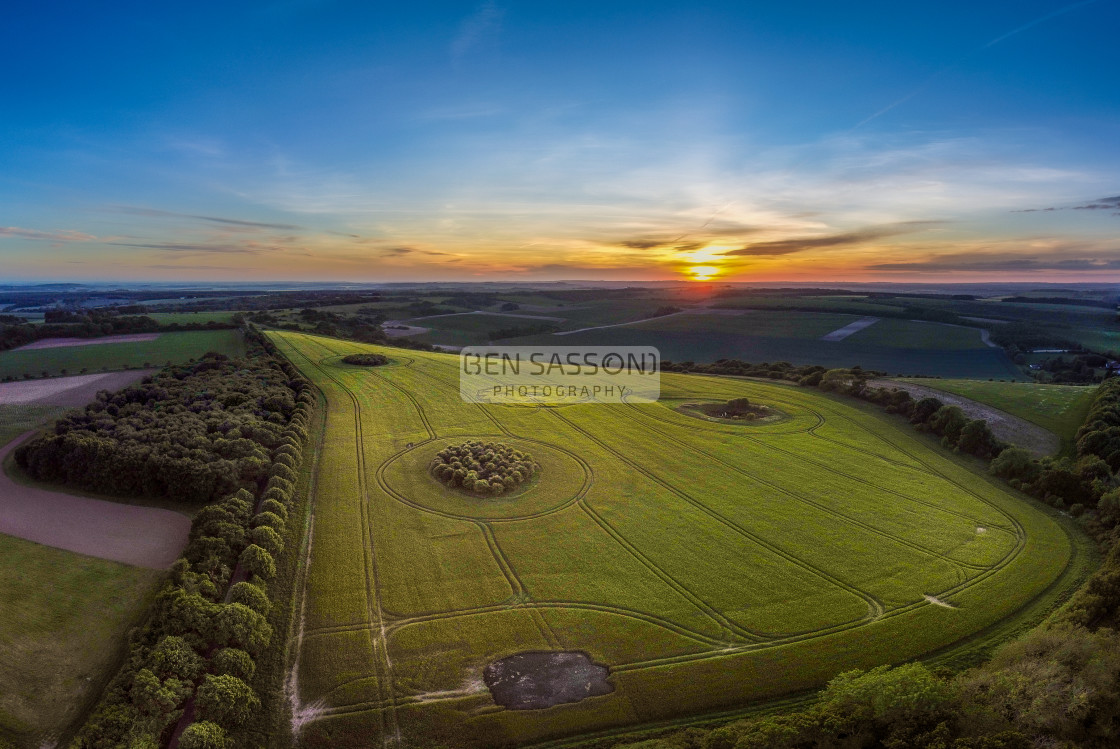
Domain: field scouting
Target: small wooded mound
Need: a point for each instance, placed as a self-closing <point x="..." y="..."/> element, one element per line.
<point x="483" y="468"/>
<point x="366" y="360"/>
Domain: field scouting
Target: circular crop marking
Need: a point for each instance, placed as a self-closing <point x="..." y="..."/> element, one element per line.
<point x="408" y="477"/>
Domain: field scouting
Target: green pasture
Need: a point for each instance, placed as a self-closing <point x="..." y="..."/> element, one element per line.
<point x="63" y="619"/>
<point x="169" y="347"/>
<point x="708" y="565"/>
<point x="899" y="347"/>
<point x="186" y="318"/>
<point x="1059" y="408"/>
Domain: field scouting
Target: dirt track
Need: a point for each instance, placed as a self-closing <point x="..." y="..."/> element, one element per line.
<point x="143" y="536"/>
<point x="1008" y="428"/>
<point x="66" y="342"/>
<point x="67" y="391"/>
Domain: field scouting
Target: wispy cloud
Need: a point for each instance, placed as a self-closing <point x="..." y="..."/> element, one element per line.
<point x="231" y="249"/>
<point x="996" y="262"/>
<point x="846" y="239"/>
<point x="485" y="22"/>
<point x="156" y="213"/>
<point x="57" y="235"/>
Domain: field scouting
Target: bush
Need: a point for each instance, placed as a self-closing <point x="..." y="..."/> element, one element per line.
<point x="250" y="595"/>
<point x="257" y="561"/>
<point x="226" y="700"/>
<point x="204" y="735"/>
<point x="233" y="662"/>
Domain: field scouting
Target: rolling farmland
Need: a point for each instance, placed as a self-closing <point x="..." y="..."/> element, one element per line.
<point x="168" y="347"/>
<point x="706" y="564"/>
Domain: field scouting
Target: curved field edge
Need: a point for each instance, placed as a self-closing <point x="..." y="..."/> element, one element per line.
<point x="661" y="690"/>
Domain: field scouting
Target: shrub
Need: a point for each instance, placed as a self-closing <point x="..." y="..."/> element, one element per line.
<point x="226" y="700"/>
<point x="258" y="562"/>
<point x="251" y="596"/>
<point x="267" y="539"/>
<point x="233" y="662"/>
<point x="204" y="735"/>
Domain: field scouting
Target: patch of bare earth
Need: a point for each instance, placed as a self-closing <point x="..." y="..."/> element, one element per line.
<point x="143" y="536"/>
<point x="1008" y="428"/>
<point x="66" y="342"/>
<point x="398" y="329"/>
<point x="69" y="392"/>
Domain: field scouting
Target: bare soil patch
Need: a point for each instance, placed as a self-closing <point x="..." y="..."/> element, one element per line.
<point x="398" y="329"/>
<point x="1008" y="428"/>
<point x="143" y="536"/>
<point x="537" y="679"/>
<point x="67" y="391"/>
<point x="65" y="342"/>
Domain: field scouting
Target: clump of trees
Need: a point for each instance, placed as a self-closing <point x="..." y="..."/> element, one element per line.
<point x="736" y="408"/>
<point x="366" y="360"/>
<point x="191" y="433"/>
<point x="483" y="468"/>
<point x="208" y="625"/>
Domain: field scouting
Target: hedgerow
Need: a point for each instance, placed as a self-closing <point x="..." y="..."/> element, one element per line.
<point x="208" y="624"/>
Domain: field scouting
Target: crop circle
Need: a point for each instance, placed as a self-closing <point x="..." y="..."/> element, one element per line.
<point x="483" y="469"/>
<point x="562" y="479"/>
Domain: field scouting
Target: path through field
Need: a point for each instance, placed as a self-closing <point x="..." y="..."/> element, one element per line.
<point x="67" y="391"/>
<point x="66" y="342"/>
<point x="706" y="565"/>
<point x="142" y="536"/>
<point x="854" y="327"/>
<point x="1007" y="427"/>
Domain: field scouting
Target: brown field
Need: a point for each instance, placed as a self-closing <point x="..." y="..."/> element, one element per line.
<point x="64" y="342"/>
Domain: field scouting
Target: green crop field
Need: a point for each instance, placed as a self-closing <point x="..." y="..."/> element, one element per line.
<point x="63" y="618"/>
<point x="897" y="347"/>
<point x="173" y="347"/>
<point x="708" y="565"/>
<point x="186" y="318"/>
<point x="1059" y="408"/>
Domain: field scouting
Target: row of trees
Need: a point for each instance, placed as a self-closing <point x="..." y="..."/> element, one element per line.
<point x="15" y="331"/>
<point x="191" y="433"/>
<point x="204" y="634"/>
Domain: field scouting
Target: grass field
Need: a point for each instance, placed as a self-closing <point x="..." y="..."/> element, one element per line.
<point x="707" y="565"/>
<point x="63" y="619"/>
<point x="185" y="318"/>
<point x="173" y="347"/>
<point x="1059" y="408"/>
<point x="898" y="347"/>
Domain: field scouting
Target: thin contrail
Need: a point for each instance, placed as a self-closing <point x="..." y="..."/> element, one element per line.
<point x="994" y="42"/>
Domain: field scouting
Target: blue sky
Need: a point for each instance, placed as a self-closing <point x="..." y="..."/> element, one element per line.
<point x="538" y="140"/>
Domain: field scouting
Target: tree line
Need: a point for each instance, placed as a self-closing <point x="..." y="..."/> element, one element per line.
<point x="209" y="624"/>
<point x="16" y="331"/>
<point x="191" y="433"/>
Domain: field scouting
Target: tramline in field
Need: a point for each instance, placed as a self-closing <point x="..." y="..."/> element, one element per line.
<point x="706" y="564"/>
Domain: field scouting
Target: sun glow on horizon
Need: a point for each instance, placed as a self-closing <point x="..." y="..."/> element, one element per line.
<point x="703" y="272"/>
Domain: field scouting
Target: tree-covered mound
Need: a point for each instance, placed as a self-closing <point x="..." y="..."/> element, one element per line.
<point x="192" y="433"/>
<point x="366" y="360"/>
<point x="736" y="408"/>
<point x="483" y="468"/>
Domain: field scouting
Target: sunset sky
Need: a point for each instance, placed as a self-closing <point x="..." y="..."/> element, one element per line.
<point x="369" y="141"/>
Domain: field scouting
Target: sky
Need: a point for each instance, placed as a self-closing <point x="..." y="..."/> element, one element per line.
<point x="533" y="141"/>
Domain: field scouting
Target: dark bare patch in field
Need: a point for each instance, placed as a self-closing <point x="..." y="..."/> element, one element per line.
<point x="537" y="679"/>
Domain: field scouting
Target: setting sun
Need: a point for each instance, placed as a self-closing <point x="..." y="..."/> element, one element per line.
<point x="703" y="272"/>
